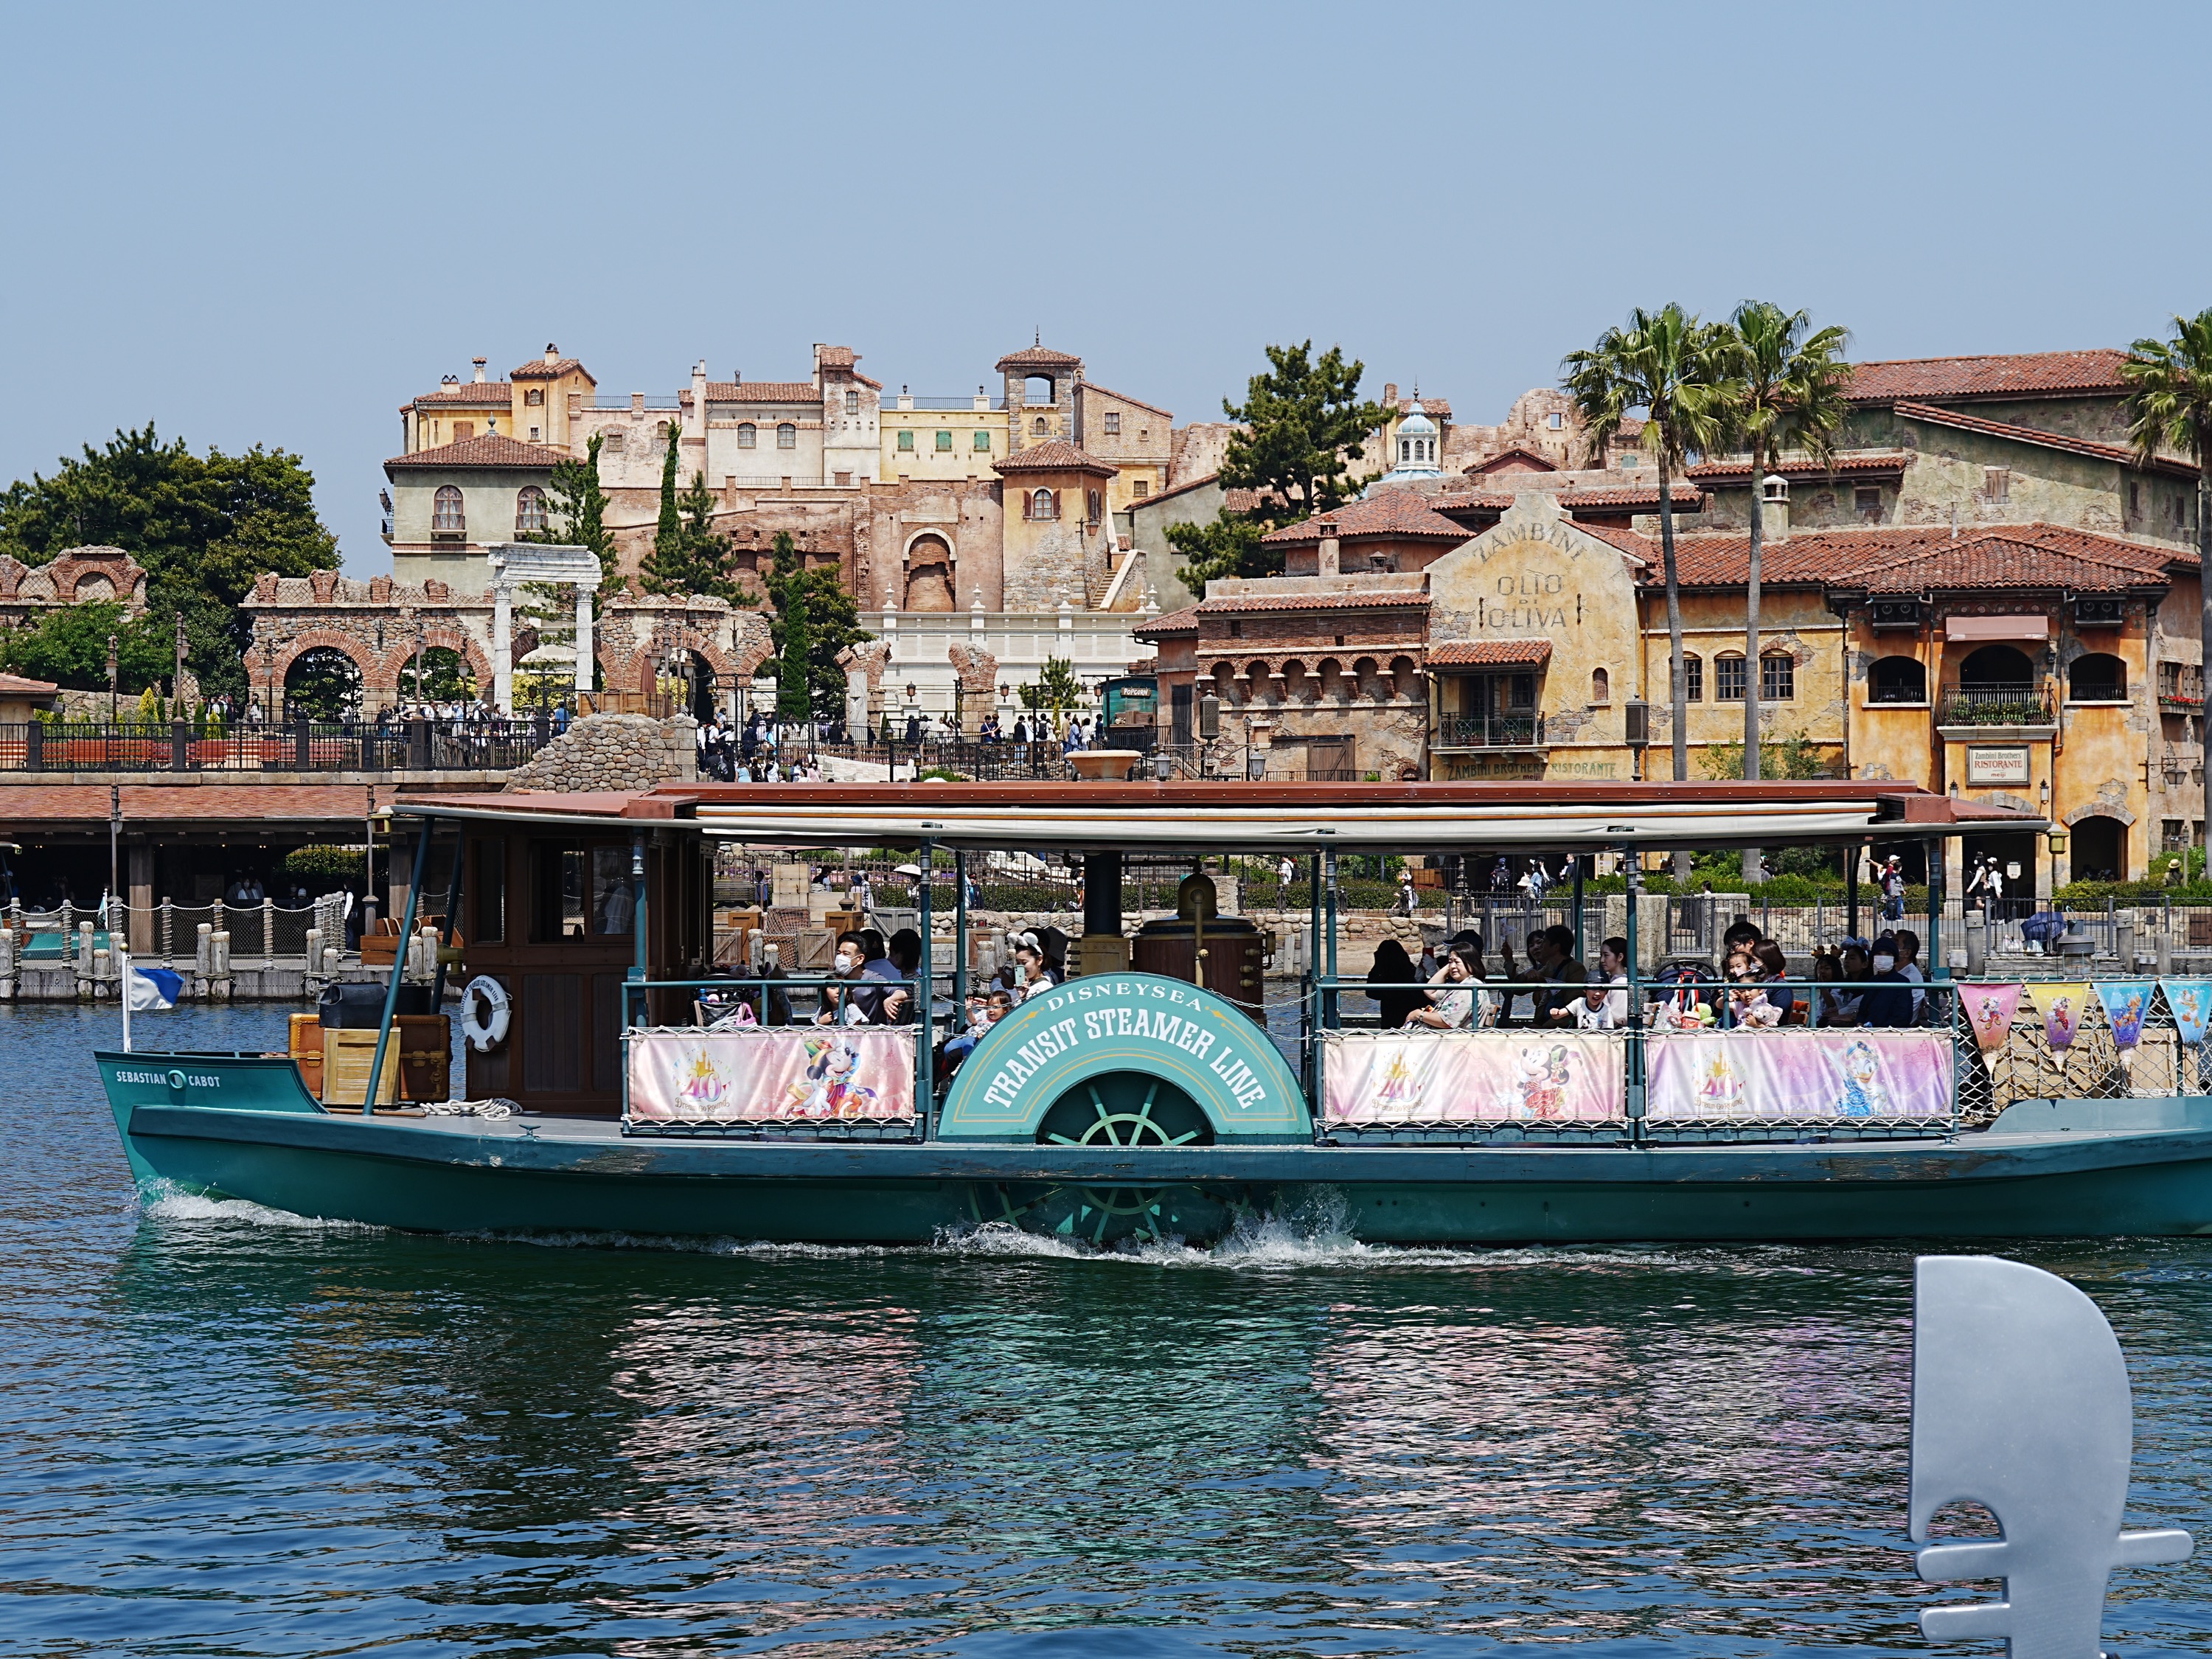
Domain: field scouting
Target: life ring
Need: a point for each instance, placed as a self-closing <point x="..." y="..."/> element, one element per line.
<point x="488" y="1029"/>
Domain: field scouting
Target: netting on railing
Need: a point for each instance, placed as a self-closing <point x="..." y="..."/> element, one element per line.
<point x="2018" y="1042"/>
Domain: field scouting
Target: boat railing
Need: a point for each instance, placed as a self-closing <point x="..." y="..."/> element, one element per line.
<point x="791" y="1056"/>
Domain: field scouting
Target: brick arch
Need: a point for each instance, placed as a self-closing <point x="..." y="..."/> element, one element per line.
<point x="314" y="639"/>
<point x="396" y="659"/>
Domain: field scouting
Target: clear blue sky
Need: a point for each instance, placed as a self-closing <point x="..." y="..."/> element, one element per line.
<point x="274" y="225"/>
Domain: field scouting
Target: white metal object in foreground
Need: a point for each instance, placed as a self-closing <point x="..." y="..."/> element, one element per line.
<point x="2021" y="1404"/>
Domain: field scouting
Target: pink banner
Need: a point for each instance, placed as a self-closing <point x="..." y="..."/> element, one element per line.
<point x="1476" y="1077"/>
<point x="1717" y="1076"/>
<point x="1990" y="1009"/>
<point x="772" y="1074"/>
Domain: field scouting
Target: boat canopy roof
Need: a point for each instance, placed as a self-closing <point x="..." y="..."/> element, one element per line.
<point x="1249" y="818"/>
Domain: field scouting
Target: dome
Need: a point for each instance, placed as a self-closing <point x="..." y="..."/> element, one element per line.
<point x="1413" y="449"/>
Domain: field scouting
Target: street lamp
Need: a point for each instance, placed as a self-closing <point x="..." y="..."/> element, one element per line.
<point x="112" y="643"/>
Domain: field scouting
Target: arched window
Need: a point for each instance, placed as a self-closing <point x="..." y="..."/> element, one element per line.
<point x="1777" y="676"/>
<point x="1897" y="679"/>
<point x="1037" y="426"/>
<point x="786" y="436"/>
<point x="748" y="436"/>
<point x="529" y="509"/>
<point x="1600" y="686"/>
<point x="2097" y="677"/>
<point x="1041" y="505"/>
<point x="1693" y="678"/>
<point x="1727" y="679"/>
<point x="445" y="515"/>
<point x="534" y="398"/>
<point x="1998" y="667"/>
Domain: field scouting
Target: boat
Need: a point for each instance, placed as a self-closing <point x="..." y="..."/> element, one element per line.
<point x="634" y="1087"/>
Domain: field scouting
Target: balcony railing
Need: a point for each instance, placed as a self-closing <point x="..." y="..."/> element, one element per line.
<point x="293" y="746"/>
<point x="1489" y="731"/>
<point x="1997" y="705"/>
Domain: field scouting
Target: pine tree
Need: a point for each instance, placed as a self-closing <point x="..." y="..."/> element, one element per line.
<point x="694" y="558"/>
<point x="815" y="619"/>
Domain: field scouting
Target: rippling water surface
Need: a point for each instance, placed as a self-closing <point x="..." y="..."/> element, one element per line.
<point x="230" y="1431"/>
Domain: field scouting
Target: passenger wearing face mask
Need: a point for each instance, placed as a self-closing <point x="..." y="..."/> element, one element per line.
<point x="840" y="1006"/>
<point x="1890" y="1001"/>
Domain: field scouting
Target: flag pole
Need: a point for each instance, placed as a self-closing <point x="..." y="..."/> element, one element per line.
<point x="123" y="985"/>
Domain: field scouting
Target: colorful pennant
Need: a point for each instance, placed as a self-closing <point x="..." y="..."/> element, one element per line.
<point x="2125" y="1002"/>
<point x="1990" y="1010"/>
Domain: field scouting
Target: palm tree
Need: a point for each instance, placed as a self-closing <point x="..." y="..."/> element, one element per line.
<point x="1672" y="368"/>
<point x="2169" y="407"/>
<point x="1785" y="391"/>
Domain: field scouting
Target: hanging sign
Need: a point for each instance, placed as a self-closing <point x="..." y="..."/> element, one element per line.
<point x="772" y="1074"/>
<point x="1473" y="1076"/>
<point x="1798" y="1074"/>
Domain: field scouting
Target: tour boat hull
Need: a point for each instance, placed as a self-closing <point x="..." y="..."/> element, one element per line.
<point x="2075" y="1169"/>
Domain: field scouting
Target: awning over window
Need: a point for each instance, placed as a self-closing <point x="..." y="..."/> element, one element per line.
<point x="2037" y="628"/>
<point x="1501" y="653"/>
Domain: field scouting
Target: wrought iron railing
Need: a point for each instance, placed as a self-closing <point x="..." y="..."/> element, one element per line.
<point x="1997" y="705"/>
<point x="1488" y="730"/>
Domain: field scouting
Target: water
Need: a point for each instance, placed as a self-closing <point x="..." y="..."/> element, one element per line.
<point x="230" y="1431"/>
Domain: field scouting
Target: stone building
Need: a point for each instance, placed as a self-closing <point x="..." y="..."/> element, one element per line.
<point x="76" y="576"/>
<point x="1985" y="592"/>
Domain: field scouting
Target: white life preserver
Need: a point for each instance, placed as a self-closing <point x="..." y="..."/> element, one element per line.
<point x="487" y="1030"/>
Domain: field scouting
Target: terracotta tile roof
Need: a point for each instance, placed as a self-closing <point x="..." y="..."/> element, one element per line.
<point x="1476" y="653"/>
<point x="1055" y="456"/>
<point x="1124" y="397"/>
<point x="1175" y="622"/>
<point x="1638" y="549"/>
<point x="1535" y="463"/>
<point x="1036" y="356"/>
<point x="2001" y="559"/>
<point x="539" y="369"/>
<point x="829" y="356"/>
<point x="492" y="449"/>
<point x="2032" y="375"/>
<point x="1738" y="468"/>
<point x="1397" y="513"/>
<point x="470" y="394"/>
<point x="2011" y="556"/>
<point x="16" y="685"/>
<point x="761" y="392"/>
<point x="1628" y="498"/>
<point x="1931" y="415"/>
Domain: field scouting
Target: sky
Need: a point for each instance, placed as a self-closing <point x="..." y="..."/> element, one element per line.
<point x="274" y="224"/>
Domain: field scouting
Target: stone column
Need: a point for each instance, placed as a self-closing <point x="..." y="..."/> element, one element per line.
<point x="586" y="660"/>
<point x="503" y="647"/>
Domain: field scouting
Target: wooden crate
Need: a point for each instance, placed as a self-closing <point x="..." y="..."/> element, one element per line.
<point x="420" y="1055"/>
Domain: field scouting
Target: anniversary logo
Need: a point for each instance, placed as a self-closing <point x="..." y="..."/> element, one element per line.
<point x="1137" y="1023"/>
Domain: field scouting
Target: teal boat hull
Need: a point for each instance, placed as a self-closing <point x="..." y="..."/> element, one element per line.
<point x="242" y="1127"/>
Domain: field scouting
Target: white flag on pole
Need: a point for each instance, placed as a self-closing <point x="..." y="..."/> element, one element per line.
<point x="145" y="990"/>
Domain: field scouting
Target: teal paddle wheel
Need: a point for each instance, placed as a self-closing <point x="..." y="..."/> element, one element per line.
<point x="1110" y="1111"/>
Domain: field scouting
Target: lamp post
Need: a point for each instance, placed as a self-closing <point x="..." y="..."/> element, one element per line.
<point x="177" y="683"/>
<point x="112" y="643"/>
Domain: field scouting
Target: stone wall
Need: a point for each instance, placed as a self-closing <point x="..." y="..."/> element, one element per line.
<point x="613" y="751"/>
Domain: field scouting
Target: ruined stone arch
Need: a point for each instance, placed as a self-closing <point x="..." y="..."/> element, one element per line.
<point x="931" y="563"/>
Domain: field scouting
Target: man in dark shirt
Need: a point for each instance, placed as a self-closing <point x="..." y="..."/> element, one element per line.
<point x="1890" y="1001"/>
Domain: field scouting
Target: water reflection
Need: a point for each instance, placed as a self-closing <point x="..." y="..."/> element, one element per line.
<point x="231" y="1432"/>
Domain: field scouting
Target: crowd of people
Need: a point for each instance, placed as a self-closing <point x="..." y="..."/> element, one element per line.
<point x="1859" y="981"/>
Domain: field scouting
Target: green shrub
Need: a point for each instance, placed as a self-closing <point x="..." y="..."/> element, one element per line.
<point x="323" y="863"/>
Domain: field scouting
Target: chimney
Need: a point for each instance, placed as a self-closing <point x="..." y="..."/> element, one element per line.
<point x="552" y="352"/>
<point x="1327" y="554"/>
<point x="479" y="362"/>
<point x="1773" y="505"/>
<point x="1390" y="393"/>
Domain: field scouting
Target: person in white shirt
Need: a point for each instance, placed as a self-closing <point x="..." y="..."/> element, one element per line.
<point x="1908" y="964"/>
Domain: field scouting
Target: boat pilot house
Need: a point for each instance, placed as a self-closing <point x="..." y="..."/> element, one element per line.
<point x="872" y="1074"/>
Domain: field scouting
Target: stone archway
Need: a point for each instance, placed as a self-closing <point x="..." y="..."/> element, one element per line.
<point x="929" y="578"/>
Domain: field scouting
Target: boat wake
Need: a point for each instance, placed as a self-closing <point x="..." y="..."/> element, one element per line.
<point x="160" y="1201"/>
